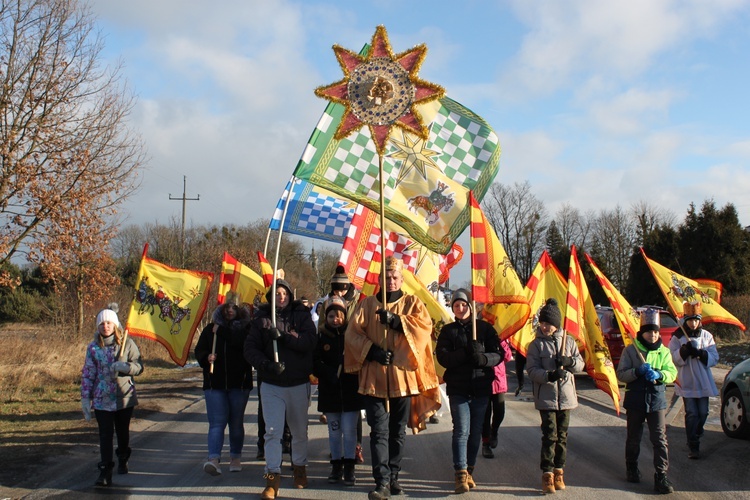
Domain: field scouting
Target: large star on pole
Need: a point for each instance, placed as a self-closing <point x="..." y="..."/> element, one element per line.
<point x="381" y="90"/>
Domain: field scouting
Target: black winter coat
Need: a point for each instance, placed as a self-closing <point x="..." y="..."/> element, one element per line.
<point x="296" y="346"/>
<point x="337" y="391"/>
<point x="461" y="376"/>
<point x="231" y="370"/>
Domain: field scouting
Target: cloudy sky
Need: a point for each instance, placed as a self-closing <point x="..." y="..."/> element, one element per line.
<point x="596" y="103"/>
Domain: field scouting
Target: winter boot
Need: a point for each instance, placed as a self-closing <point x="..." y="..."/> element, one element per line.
<point x="396" y="488"/>
<point x="105" y="473"/>
<point x="461" y="485"/>
<point x="273" y="481"/>
<point x="548" y="482"/>
<point x="349" y="478"/>
<point x="300" y="476"/>
<point x="337" y="471"/>
<point x="559" y="483"/>
<point x="470" y="477"/>
<point x="380" y="492"/>
<point x="122" y="460"/>
<point x="662" y="485"/>
<point x="632" y="474"/>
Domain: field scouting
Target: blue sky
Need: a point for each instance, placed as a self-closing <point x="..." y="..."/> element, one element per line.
<point x="595" y="103"/>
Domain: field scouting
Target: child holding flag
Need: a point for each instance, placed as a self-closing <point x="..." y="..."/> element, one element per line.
<point x="646" y="368"/>
<point x="694" y="353"/>
<point x="552" y="359"/>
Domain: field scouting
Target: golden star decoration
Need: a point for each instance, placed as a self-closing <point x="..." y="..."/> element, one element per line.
<point x="381" y="90"/>
<point x="414" y="155"/>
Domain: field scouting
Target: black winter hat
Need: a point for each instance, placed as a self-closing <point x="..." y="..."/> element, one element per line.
<point x="550" y="313"/>
<point x="285" y="284"/>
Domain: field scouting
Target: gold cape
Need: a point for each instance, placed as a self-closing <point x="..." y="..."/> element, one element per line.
<point x="412" y="372"/>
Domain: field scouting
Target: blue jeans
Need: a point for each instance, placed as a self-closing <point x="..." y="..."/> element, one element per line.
<point x="468" y="418"/>
<point x="342" y="434"/>
<point x="696" y="413"/>
<point x="226" y="407"/>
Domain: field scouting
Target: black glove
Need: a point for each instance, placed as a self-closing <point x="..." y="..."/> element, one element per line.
<point x="479" y="359"/>
<point x="685" y="351"/>
<point x="702" y="355"/>
<point x="273" y="367"/>
<point x="274" y="333"/>
<point x="565" y="361"/>
<point x="390" y="319"/>
<point x="377" y="353"/>
<point x="555" y="375"/>
<point x="475" y="347"/>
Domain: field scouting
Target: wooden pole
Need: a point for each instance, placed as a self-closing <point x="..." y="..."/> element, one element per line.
<point x="382" y="276"/>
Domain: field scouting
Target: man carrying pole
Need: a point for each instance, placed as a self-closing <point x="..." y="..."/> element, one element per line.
<point x="390" y="346"/>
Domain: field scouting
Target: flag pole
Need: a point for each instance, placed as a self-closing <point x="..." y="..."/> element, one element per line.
<point x="382" y="275"/>
<point x="127" y="323"/>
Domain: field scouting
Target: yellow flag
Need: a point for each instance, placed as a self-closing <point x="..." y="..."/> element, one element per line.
<point x="581" y="316"/>
<point x="239" y="280"/>
<point x="168" y="306"/>
<point x="546" y="281"/>
<point x="439" y="314"/>
<point x="494" y="281"/>
<point x="678" y="289"/>
<point x="627" y="317"/>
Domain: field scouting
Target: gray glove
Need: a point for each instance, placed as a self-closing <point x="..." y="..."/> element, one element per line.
<point x="121" y="367"/>
<point x="86" y="408"/>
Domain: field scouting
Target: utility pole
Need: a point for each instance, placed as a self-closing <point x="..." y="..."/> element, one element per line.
<point x="184" y="199"/>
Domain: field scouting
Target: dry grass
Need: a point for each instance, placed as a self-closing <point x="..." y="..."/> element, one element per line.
<point x="40" y="395"/>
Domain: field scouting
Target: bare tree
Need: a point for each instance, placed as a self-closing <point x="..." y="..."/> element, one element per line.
<point x="520" y="220"/>
<point x="614" y="241"/>
<point x="65" y="149"/>
<point x="649" y="217"/>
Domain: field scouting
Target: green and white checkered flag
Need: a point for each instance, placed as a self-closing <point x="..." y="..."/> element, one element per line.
<point x="426" y="182"/>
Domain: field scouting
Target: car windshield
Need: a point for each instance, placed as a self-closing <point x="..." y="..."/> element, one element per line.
<point x="667" y="321"/>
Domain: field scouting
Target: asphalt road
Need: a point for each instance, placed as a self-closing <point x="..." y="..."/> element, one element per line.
<point x="169" y="451"/>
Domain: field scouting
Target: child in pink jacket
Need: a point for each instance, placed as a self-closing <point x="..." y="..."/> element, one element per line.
<point x="496" y="409"/>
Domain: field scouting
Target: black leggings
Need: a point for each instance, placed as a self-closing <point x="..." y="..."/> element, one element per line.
<point x="111" y="422"/>
<point x="494" y="416"/>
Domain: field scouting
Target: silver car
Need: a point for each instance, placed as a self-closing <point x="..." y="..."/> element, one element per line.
<point x="735" y="401"/>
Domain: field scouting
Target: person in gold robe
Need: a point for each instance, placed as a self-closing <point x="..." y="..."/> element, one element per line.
<point x="391" y="348"/>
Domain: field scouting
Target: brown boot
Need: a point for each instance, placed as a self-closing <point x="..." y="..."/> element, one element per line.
<point x="273" y="481"/>
<point x="548" y="482"/>
<point x="300" y="476"/>
<point x="461" y="485"/>
<point x="559" y="483"/>
<point x="470" y="477"/>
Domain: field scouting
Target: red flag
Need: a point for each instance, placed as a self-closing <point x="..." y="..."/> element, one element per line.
<point x="360" y="254"/>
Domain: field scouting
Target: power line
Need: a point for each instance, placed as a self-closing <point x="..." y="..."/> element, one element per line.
<point x="183" y="199"/>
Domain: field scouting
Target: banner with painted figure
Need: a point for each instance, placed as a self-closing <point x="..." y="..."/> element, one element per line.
<point x="168" y="305"/>
<point x="678" y="289"/>
<point x="425" y="182"/>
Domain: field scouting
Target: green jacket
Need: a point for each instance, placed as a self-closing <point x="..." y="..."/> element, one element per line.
<point x="641" y="394"/>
